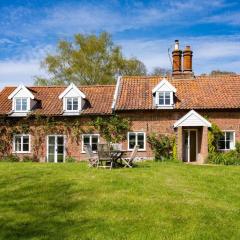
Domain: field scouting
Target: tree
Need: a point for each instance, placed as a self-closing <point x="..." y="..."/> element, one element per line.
<point x="89" y="60"/>
<point x="219" y="72"/>
<point x="158" y="71"/>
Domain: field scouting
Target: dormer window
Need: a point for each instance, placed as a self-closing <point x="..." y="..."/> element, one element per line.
<point x="21" y="104"/>
<point x="21" y="101"/>
<point x="72" y="104"/>
<point x="164" y="98"/>
<point x="72" y="100"/>
<point x="163" y="94"/>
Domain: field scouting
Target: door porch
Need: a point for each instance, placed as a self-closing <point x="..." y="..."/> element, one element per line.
<point x="192" y="137"/>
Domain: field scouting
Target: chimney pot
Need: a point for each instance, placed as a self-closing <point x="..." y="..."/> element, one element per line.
<point x="177" y="59"/>
<point x="176" y="46"/>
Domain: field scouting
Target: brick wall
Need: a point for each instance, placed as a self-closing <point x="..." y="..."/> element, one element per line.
<point x="155" y="121"/>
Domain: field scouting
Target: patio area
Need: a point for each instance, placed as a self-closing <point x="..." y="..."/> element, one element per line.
<point x="110" y="156"/>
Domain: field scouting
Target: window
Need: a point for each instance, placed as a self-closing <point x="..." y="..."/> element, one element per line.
<point x="21" y="104"/>
<point x="21" y="143"/>
<point x="72" y="104"/>
<point x="90" y="139"/>
<point x="136" y="138"/>
<point x="164" y="99"/>
<point x="227" y="141"/>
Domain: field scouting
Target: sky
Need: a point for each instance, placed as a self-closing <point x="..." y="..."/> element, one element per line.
<point x="144" y="29"/>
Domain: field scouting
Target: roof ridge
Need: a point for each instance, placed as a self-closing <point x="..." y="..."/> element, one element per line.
<point x="61" y="86"/>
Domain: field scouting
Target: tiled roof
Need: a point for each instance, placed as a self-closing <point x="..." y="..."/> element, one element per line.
<point x="99" y="99"/>
<point x="202" y="92"/>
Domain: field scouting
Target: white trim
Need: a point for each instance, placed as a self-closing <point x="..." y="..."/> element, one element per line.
<point x="29" y="143"/>
<point x="65" y="104"/>
<point x="164" y="106"/>
<point x="55" y="144"/>
<point x="70" y="87"/>
<point x="189" y="140"/>
<point x="144" y="141"/>
<point x="116" y="92"/>
<point x="203" y="121"/>
<point x="234" y="140"/>
<point x="90" y="135"/>
<point x="14" y="105"/>
<point x="167" y="83"/>
<point x="20" y="87"/>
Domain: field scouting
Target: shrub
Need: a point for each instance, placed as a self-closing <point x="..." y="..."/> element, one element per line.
<point x="213" y="135"/>
<point x="237" y="147"/>
<point x="225" y="158"/>
<point x="70" y="159"/>
<point x="11" y="158"/>
<point x="29" y="159"/>
<point x="162" y="146"/>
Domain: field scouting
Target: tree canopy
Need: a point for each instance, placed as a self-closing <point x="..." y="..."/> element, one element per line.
<point x="88" y="60"/>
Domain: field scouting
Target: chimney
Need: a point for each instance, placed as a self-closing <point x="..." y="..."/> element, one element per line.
<point x="187" y="61"/>
<point x="177" y="59"/>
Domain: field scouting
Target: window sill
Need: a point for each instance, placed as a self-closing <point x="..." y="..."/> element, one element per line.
<point x="165" y="107"/>
<point x="21" y="152"/>
<point x="139" y="150"/>
<point x="226" y="150"/>
<point x="83" y="152"/>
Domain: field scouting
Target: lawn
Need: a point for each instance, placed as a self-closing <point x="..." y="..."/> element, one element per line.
<point x="152" y="201"/>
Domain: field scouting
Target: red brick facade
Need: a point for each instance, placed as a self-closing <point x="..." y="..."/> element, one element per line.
<point x="147" y="122"/>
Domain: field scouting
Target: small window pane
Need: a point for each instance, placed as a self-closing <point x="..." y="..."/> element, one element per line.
<point x="227" y="145"/>
<point x="51" y="140"/>
<point x="25" y="147"/>
<point x="69" y="104"/>
<point x="18" y="104"/>
<point x="132" y="140"/>
<point x="94" y="147"/>
<point x="86" y="139"/>
<point x="161" y="101"/>
<point x="140" y="140"/>
<point x="75" y="104"/>
<point x="94" y="139"/>
<point x="24" y="104"/>
<point x="221" y="145"/>
<point x="167" y="101"/>
<point x="60" y="140"/>
<point x="167" y="95"/>
<point x="18" y="143"/>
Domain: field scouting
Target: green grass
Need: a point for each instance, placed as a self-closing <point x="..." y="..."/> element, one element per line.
<point x="152" y="201"/>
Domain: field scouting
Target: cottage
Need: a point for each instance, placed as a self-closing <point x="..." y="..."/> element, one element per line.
<point x="183" y="105"/>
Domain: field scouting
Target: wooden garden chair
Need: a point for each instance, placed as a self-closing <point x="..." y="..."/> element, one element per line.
<point x="128" y="162"/>
<point x="104" y="156"/>
<point x="92" y="158"/>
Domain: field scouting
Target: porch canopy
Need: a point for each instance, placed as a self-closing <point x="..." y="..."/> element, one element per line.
<point x="192" y="119"/>
<point x="192" y="137"/>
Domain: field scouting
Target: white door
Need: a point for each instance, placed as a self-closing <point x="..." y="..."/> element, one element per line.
<point x="56" y="148"/>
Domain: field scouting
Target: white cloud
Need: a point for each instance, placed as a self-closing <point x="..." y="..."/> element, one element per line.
<point x="209" y="53"/>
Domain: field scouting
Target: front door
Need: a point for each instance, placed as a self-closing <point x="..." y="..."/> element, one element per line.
<point x="56" y="148"/>
<point x="190" y="145"/>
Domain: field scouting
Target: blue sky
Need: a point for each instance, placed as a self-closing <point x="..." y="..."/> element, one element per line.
<point x="144" y="29"/>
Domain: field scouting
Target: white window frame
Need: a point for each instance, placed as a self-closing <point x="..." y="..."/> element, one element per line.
<point x="64" y="146"/>
<point x="164" y="99"/>
<point x="234" y="141"/>
<point x="15" y="104"/>
<point x="65" y="104"/>
<point x="90" y="135"/>
<point x="144" y="141"/>
<point x="29" y="143"/>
